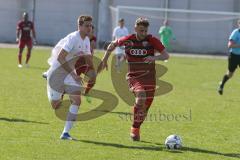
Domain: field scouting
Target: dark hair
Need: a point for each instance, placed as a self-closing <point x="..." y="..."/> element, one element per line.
<point x="142" y="22"/>
<point x="84" y="18"/>
<point x="121" y="20"/>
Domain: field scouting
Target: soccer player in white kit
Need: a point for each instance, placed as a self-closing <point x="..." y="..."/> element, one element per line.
<point x="118" y="32"/>
<point x="62" y="77"/>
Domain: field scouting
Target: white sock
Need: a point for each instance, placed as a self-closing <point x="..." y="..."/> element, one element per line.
<point x="71" y="117"/>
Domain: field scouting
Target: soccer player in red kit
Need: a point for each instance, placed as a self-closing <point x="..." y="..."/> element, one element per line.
<point x="83" y="67"/>
<point x="24" y="30"/>
<point x="142" y="50"/>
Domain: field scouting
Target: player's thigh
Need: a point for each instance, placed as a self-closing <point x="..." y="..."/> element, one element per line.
<point x="55" y="88"/>
<point x="72" y="86"/>
<point x="138" y="89"/>
<point x="21" y="44"/>
<point x="232" y="62"/>
<point x="53" y="95"/>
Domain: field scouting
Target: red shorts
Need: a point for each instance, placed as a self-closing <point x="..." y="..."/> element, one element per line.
<point x="22" y="43"/>
<point x="142" y="84"/>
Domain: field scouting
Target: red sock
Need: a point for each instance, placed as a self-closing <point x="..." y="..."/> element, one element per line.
<point x="139" y="114"/>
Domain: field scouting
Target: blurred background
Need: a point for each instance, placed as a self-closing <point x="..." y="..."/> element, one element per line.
<point x="200" y="26"/>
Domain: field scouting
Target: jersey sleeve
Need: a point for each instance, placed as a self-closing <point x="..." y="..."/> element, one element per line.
<point x="18" y="25"/>
<point x="121" y="41"/>
<point x="233" y="36"/>
<point x="157" y="44"/>
<point x="69" y="44"/>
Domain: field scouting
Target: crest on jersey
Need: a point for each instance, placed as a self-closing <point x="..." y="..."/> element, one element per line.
<point x="145" y="43"/>
<point x="128" y="44"/>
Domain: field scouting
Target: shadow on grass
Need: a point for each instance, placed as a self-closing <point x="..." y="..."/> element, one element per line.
<point x="161" y="147"/>
<point x="38" y="68"/>
<point x="15" y="120"/>
<point x="198" y="150"/>
<point x="151" y="148"/>
<point x="112" y="112"/>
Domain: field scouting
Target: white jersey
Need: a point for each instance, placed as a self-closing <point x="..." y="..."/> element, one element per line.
<point x="119" y="32"/>
<point x="74" y="45"/>
<point x="58" y="80"/>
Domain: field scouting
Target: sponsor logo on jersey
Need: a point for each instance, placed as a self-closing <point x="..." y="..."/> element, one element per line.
<point x="138" y="52"/>
<point x="26" y="28"/>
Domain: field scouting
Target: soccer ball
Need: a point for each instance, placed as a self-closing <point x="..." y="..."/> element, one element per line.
<point x="173" y="142"/>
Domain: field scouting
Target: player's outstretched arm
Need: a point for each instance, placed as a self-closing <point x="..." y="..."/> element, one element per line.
<point x="103" y="63"/>
<point x="162" y="57"/>
<point x="62" y="60"/>
<point x="17" y="34"/>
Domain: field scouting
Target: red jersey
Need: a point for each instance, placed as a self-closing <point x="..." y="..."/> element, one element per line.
<point x="137" y="50"/>
<point x="25" y="28"/>
<point x="93" y="38"/>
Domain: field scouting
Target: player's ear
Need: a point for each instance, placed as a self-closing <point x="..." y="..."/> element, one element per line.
<point x="135" y="28"/>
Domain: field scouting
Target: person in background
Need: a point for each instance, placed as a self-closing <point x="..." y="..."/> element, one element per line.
<point x="25" y="36"/>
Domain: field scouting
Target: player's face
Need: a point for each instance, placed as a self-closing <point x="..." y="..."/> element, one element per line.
<point x="25" y="17"/>
<point x="141" y="32"/>
<point x="86" y="27"/>
<point x="121" y="24"/>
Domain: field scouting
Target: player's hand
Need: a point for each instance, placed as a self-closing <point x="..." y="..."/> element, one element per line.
<point x="77" y="78"/>
<point x="17" y="40"/>
<point x="101" y="66"/>
<point x="149" y="59"/>
<point x="34" y="41"/>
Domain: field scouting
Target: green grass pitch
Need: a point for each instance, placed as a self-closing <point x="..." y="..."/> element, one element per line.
<point x="208" y="123"/>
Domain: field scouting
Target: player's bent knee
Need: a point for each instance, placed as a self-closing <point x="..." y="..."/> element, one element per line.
<point x="56" y="104"/>
<point x="230" y="74"/>
<point x="77" y="103"/>
<point x="140" y="100"/>
<point x="75" y="100"/>
<point x="141" y="95"/>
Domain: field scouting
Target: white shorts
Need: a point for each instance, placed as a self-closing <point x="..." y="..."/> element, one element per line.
<point x="57" y="85"/>
<point x="119" y="51"/>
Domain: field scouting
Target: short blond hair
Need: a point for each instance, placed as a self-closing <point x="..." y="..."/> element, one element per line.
<point x="84" y="18"/>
